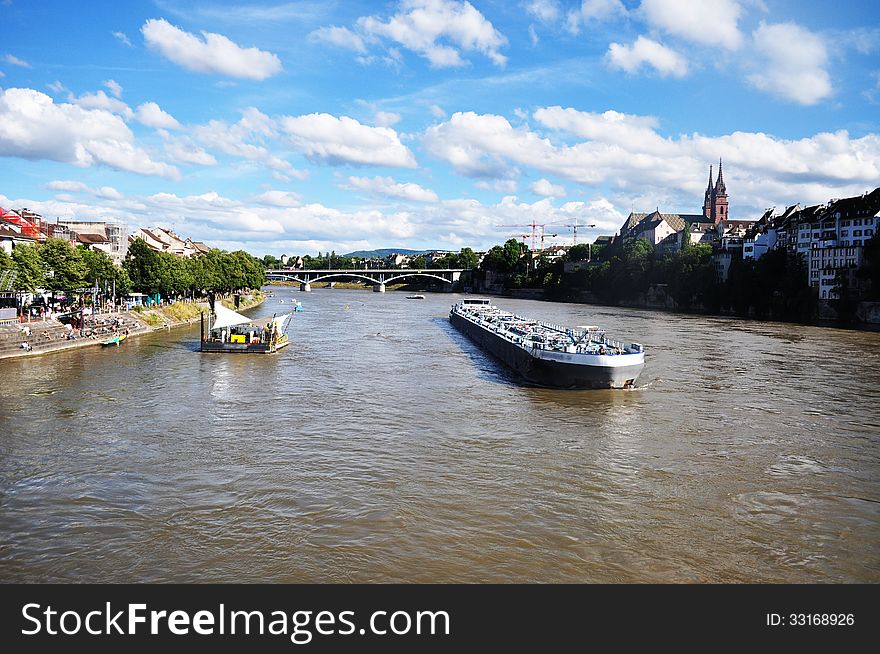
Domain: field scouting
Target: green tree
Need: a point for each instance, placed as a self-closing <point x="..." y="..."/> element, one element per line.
<point x="845" y="300"/>
<point x="468" y="259"/>
<point x="580" y="252"/>
<point x="65" y="267"/>
<point x="29" y="268"/>
<point x="270" y="261"/>
<point x="99" y="266"/>
<point x="143" y="267"/>
<point x="870" y="269"/>
<point x="419" y="263"/>
<point x="6" y="262"/>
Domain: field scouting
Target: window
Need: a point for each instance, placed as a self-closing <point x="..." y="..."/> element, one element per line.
<point x="844" y="232"/>
<point x="845" y="223"/>
<point x="857" y="232"/>
<point x="857" y="223"/>
<point x="869" y="232"/>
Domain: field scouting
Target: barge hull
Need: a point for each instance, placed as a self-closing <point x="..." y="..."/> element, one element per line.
<point x="542" y="372"/>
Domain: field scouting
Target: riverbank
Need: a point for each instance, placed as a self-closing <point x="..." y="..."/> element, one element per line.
<point x="868" y="313"/>
<point x="48" y="336"/>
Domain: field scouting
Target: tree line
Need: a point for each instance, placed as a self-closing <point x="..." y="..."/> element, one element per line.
<point x="466" y="258"/>
<point x="634" y="272"/>
<point x="57" y="266"/>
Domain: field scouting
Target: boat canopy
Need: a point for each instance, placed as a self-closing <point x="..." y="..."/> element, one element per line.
<point x="227" y="317"/>
<point x="279" y="321"/>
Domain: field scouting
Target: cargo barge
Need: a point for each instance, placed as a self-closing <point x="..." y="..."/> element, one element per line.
<point x="549" y="355"/>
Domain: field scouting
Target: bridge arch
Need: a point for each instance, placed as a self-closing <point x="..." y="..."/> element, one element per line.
<point x="420" y="274"/>
<point x="285" y="278"/>
<point x="345" y="275"/>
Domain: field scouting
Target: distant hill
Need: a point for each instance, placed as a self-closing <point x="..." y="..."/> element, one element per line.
<point x="384" y="252"/>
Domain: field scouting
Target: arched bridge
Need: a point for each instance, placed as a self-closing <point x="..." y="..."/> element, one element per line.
<point x="378" y="277"/>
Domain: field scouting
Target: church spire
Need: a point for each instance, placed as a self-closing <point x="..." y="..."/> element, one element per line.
<point x="709" y="198"/>
<point x="720" y="189"/>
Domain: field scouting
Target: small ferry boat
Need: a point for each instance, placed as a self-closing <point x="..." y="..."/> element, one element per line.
<point x="549" y="355"/>
<point x="116" y="340"/>
<point x="415" y="297"/>
<point x="229" y="331"/>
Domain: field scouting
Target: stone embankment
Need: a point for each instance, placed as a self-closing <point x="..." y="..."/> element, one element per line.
<point x="45" y="336"/>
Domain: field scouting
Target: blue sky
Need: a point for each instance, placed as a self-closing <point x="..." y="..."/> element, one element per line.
<point x="294" y="127"/>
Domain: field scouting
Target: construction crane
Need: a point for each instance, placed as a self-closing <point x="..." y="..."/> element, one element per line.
<point x="543" y="236"/>
<point x="574" y="228"/>
<point x="535" y="226"/>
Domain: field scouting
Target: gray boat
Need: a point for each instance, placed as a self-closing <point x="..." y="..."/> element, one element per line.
<point x="549" y="355"/>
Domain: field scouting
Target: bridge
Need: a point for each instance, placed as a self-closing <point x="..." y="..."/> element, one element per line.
<point x="378" y="277"/>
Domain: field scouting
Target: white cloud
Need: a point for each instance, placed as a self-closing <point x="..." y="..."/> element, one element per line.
<point x="341" y="37"/>
<point x="594" y="10"/>
<point x="151" y="115"/>
<point x="15" y="61"/>
<point x="183" y="150"/>
<point x="32" y="126"/>
<point x="122" y="38"/>
<point x="387" y="187"/>
<point x="280" y="198"/>
<point x="498" y="185"/>
<point x="56" y="86"/>
<point x="708" y="22"/>
<point x="215" y="54"/>
<point x="344" y="140"/>
<point x="533" y="35"/>
<point x="386" y="118"/>
<point x="628" y="154"/>
<point x="546" y="11"/>
<point x="791" y="63"/>
<point x="547" y="189"/>
<point x="114" y="86"/>
<point x="631" y="58"/>
<point x="101" y="100"/>
<point x="70" y="186"/>
<point x="422" y="26"/>
<point x="245" y="139"/>
<point x="437" y="111"/>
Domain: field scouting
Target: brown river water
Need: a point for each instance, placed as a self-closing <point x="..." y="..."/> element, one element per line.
<point x="382" y="446"/>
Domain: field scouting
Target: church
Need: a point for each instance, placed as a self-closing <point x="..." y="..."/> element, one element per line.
<point x="715" y="201"/>
<point x="666" y="230"/>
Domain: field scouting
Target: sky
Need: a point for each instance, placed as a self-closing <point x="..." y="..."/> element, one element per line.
<point x="313" y="125"/>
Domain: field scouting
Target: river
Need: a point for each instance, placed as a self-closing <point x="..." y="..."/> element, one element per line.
<point x="382" y="446"/>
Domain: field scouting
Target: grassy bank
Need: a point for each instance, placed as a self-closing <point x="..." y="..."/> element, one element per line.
<point x="184" y="313"/>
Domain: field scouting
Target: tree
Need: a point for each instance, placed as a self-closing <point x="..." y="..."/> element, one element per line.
<point x="467" y="258"/>
<point x="870" y="269"/>
<point x="65" y="266"/>
<point x="6" y="262"/>
<point x="580" y="252"/>
<point x="419" y="263"/>
<point x="143" y="267"/>
<point x="845" y="301"/>
<point x="29" y="267"/>
<point x="99" y="266"/>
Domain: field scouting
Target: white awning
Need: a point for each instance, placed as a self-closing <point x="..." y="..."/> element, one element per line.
<point x="227" y="317"/>
<point x="278" y="321"/>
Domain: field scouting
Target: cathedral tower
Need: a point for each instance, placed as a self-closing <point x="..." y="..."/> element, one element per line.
<point x="719" y="210"/>
<point x="709" y="199"/>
